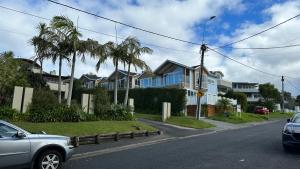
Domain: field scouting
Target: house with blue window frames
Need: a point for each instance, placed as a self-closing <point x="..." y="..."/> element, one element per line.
<point x="175" y="75"/>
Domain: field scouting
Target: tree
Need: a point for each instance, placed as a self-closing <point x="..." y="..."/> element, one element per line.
<point x="134" y="51"/>
<point x="116" y="52"/>
<point x="60" y="50"/>
<point x="76" y="46"/>
<point x="41" y="44"/>
<point x="269" y="92"/>
<point x="224" y="105"/>
<point x="10" y="76"/>
<point x="240" y="97"/>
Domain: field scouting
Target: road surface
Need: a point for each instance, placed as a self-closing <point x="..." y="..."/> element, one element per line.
<point x="252" y="147"/>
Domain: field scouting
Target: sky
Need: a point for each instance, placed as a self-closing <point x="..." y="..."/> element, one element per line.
<point x="183" y="19"/>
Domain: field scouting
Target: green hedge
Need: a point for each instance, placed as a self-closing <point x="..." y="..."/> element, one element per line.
<point x="45" y="108"/>
<point x="150" y="100"/>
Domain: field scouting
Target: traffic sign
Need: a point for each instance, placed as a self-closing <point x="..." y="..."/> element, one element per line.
<point x="200" y="93"/>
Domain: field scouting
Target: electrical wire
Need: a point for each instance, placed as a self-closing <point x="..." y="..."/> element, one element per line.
<point x="124" y="24"/>
<point x="258" y="33"/>
<point x="294" y="86"/>
<point x="256" y="69"/>
<point x="266" y="48"/>
<point x="93" y="31"/>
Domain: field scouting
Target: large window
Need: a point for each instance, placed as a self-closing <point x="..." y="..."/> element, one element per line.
<point x="173" y="78"/>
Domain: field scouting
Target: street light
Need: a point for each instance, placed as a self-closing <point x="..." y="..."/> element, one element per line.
<point x="204" y="27"/>
<point x="200" y="91"/>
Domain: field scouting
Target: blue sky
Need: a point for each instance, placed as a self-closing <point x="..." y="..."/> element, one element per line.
<point x="235" y="19"/>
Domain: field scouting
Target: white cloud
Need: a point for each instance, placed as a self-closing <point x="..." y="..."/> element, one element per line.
<point x="174" y="18"/>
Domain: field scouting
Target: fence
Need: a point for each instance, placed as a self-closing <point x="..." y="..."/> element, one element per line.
<point x="97" y="139"/>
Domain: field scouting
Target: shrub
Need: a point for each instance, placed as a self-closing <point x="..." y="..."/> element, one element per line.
<point x="117" y="112"/>
<point x="7" y="113"/>
<point x="101" y="101"/>
<point x="150" y="100"/>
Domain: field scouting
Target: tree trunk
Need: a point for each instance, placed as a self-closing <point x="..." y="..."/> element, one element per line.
<point x="116" y="83"/>
<point x="41" y="71"/>
<point x="71" y="80"/>
<point x="127" y="85"/>
<point x="59" y="79"/>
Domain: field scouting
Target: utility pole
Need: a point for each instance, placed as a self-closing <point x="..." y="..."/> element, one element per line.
<point x="282" y="93"/>
<point x="198" y="112"/>
<point x="200" y="92"/>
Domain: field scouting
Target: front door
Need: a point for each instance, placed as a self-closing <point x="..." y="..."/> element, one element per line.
<point x="13" y="151"/>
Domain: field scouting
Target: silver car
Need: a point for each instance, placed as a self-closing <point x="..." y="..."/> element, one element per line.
<point x="19" y="148"/>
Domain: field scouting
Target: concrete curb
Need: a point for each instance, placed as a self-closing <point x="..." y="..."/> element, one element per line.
<point x="168" y="124"/>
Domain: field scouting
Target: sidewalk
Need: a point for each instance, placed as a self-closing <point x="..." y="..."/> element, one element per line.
<point x="220" y="126"/>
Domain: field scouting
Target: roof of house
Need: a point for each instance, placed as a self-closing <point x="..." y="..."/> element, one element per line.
<point x="170" y="62"/>
<point x="124" y="73"/>
<point x="245" y="83"/>
<point x="90" y="77"/>
<point x="146" y="74"/>
<point x="214" y="72"/>
<point x="48" y="75"/>
<point x="28" y="61"/>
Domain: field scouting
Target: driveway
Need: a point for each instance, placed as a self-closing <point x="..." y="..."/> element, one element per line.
<point x="170" y="130"/>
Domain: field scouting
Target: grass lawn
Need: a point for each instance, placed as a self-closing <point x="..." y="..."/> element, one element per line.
<point x="250" y="117"/>
<point x="189" y="122"/>
<point x="246" y="117"/>
<point x="84" y="128"/>
<point x="154" y="117"/>
<point x="180" y="121"/>
<point x="279" y="115"/>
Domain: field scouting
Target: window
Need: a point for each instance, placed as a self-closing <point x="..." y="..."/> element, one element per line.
<point x="296" y="119"/>
<point x="6" y="131"/>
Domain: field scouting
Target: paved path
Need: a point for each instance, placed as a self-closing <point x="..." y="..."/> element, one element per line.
<point x="221" y="125"/>
<point x="256" y="147"/>
<point x="170" y="130"/>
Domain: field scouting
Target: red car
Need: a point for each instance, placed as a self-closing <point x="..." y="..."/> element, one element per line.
<point x="261" y="110"/>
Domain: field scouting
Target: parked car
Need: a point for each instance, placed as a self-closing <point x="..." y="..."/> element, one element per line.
<point x="291" y="133"/>
<point x="20" y="148"/>
<point x="261" y="110"/>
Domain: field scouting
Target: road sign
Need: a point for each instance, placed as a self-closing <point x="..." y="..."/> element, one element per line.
<point x="200" y="93"/>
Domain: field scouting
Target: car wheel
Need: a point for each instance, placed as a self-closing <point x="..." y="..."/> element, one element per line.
<point x="50" y="159"/>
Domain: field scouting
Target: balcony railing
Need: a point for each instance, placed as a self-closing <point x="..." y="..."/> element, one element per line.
<point x="224" y="83"/>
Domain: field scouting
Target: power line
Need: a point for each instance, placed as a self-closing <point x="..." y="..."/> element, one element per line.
<point x="294" y="86"/>
<point x="265" y="30"/>
<point x="124" y="24"/>
<point x="23" y="12"/>
<point x="266" y="48"/>
<point x="261" y="71"/>
<point x="90" y="30"/>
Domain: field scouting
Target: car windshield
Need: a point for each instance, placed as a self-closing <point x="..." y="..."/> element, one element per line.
<point x="296" y="119"/>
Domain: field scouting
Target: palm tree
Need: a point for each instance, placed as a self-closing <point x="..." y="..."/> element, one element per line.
<point x="134" y="51"/>
<point x="109" y="50"/>
<point x="60" y="51"/>
<point x="41" y="44"/>
<point x="76" y="46"/>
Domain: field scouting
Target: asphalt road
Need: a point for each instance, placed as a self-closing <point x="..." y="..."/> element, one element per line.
<point x="254" y="147"/>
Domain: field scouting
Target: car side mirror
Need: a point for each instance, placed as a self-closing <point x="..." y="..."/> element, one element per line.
<point x="288" y="120"/>
<point x="20" y="134"/>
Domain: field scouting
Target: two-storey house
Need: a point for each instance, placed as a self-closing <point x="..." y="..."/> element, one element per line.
<point x="89" y="80"/>
<point x="250" y="89"/>
<point x="175" y="75"/>
<point x="108" y="83"/>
